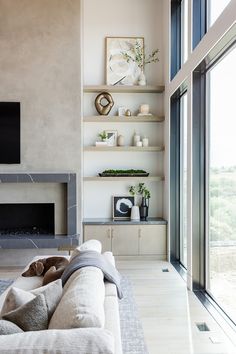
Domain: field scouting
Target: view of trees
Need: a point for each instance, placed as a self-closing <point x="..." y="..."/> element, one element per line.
<point x="222" y="204"/>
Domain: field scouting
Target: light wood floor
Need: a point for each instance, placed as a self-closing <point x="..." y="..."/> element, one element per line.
<point x="168" y="311"/>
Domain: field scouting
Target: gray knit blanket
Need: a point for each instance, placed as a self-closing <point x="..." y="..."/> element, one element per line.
<point x="93" y="259"/>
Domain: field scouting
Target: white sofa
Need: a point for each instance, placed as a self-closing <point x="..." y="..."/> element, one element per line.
<point x="105" y="340"/>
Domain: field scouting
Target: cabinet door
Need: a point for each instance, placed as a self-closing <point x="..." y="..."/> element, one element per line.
<point x="152" y="240"/>
<point x="101" y="233"/>
<point x="124" y="240"/>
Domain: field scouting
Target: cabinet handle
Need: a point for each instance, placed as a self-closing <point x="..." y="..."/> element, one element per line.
<point x="139" y="233"/>
<point x="108" y="233"/>
<point x="112" y="232"/>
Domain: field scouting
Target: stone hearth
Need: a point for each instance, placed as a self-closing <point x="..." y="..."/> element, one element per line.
<point x="45" y="241"/>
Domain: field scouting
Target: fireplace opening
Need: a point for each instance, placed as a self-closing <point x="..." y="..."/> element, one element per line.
<point x="27" y="219"/>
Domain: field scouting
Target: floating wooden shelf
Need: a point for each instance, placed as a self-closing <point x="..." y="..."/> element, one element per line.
<point x="124" y="148"/>
<point x="118" y="119"/>
<point x="131" y="178"/>
<point x="125" y="89"/>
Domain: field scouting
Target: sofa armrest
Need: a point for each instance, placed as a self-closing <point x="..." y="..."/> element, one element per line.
<point x="69" y="341"/>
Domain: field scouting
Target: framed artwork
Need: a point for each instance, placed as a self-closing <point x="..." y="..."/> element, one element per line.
<point x="111" y="137"/>
<point x="121" y="111"/>
<point x="124" y="60"/>
<point x="122" y="207"/>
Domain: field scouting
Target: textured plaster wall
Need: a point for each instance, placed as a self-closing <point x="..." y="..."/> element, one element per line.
<point x="40" y="67"/>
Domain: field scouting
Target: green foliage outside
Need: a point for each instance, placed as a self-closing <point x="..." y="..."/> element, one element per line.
<point x="222" y="204"/>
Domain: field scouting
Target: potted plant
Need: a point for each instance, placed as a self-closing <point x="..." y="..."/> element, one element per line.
<point x="142" y="190"/>
<point x="103" y="135"/>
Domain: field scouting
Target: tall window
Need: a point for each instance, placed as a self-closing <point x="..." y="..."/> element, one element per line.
<point x="178" y="176"/>
<point x="179" y="34"/>
<point x="214" y="9"/>
<point x="221" y="184"/>
<point x="184" y="31"/>
<point x="183" y="180"/>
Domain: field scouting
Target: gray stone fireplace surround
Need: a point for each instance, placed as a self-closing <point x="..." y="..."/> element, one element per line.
<point x="44" y="241"/>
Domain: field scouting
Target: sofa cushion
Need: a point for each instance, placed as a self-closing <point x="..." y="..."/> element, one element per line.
<point x="15" y="298"/>
<point x="82" y="303"/>
<point x="33" y="316"/>
<point x="73" y="341"/>
<point x="90" y="245"/>
<point x="7" y="327"/>
<point x="52" y="293"/>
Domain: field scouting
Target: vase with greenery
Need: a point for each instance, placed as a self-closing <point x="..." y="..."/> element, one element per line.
<point x="141" y="190"/>
<point x="103" y="135"/>
<point x="137" y="54"/>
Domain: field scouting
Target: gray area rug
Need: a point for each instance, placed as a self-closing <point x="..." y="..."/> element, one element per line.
<point x="4" y="285"/>
<point x="131" y="328"/>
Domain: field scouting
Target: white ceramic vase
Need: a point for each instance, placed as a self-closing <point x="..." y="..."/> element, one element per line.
<point x="142" y="79"/>
<point x="135" y="214"/>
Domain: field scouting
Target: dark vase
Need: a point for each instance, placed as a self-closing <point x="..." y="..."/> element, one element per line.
<point x="143" y="209"/>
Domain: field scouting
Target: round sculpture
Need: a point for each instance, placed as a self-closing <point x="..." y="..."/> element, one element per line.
<point x="104" y="103"/>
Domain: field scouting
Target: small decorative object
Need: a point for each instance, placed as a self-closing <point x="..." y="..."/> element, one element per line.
<point x="135" y="215"/>
<point x="121" y="111"/>
<point x="145" y="141"/>
<point x="141" y="190"/>
<point x="124" y="60"/>
<point x="136" y="138"/>
<point x="139" y="144"/>
<point x="142" y="79"/>
<point x="144" y="109"/>
<point x="128" y="113"/>
<point x="122" y="207"/>
<point x="111" y="137"/>
<point x="124" y="173"/>
<point x="143" y="209"/>
<point x="120" y="140"/>
<point x="103" y="135"/>
<point x="104" y="103"/>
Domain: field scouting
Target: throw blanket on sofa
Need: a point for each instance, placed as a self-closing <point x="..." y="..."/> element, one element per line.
<point x="93" y="259"/>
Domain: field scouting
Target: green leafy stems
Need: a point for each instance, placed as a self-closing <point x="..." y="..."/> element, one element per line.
<point x="140" y="189"/>
<point x="137" y="55"/>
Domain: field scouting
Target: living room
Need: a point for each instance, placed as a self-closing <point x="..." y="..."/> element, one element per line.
<point x="111" y="143"/>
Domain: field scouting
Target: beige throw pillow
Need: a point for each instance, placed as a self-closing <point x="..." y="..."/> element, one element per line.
<point x="15" y="298"/>
<point x="7" y="327"/>
<point x="32" y="316"/>
<point x="52" y="293"/>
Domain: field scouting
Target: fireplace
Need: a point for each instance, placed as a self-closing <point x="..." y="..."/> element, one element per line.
<point x="27" y="219"/>
<point x="45" y="232"/>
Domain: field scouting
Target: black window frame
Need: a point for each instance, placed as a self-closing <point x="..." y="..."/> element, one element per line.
<point x="199" y="182"/>
<point x="175" y="141"/>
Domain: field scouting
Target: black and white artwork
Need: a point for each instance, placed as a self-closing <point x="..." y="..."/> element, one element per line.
<point x="122" y="207"/>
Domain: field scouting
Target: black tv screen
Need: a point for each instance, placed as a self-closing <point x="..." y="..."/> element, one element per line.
<point x="9" y="132"/>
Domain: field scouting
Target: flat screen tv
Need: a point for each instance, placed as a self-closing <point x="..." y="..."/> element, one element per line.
<point x="9" y="132"/>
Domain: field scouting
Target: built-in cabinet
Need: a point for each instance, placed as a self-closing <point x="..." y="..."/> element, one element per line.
<point x="129" y="240"/>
